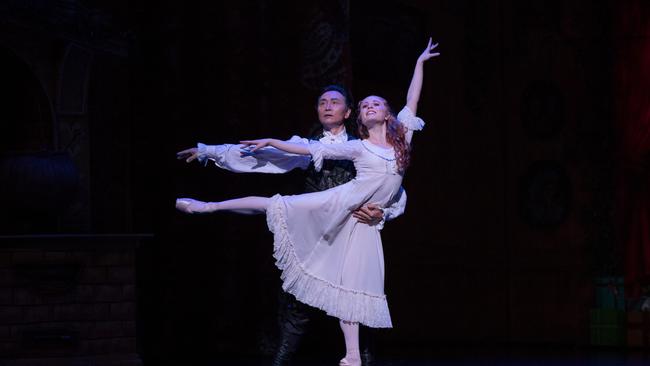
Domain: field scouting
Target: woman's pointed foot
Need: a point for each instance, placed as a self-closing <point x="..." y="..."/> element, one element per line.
<point x="189" y="205"/>
<point x="183" y="204"/>
<point x="350" y="362"/>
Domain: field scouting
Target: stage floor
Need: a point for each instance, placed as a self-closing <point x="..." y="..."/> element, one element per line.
<point x="483" y="357"/>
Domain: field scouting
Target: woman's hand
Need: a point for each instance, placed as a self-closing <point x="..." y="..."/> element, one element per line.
<point x="413" y="94"/>
<point x="254" y="145"/>
<point x="427" y="54"/>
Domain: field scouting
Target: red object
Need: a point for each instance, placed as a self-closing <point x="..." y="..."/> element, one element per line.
<point x="638" y="329"/>
<point x="632" y="123"/>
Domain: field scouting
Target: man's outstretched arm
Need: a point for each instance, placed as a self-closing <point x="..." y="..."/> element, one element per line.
<point x="236" y="158"/>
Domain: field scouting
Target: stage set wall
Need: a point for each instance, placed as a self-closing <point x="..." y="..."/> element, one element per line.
<point x="509" y="217"/>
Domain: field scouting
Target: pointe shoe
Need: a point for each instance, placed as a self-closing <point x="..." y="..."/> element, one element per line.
<point x="189" y="205"/>
<point x="345" y="362"/>
<point x="183" y="204"/>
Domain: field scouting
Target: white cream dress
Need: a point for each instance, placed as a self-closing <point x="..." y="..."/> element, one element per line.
<point x="328" y="259"/>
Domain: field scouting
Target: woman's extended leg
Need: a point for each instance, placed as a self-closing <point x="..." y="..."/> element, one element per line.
<point x="247" y="205"/>
<point x="351" y="335"/>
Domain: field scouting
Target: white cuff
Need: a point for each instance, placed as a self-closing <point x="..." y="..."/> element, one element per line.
<point x="381" y="223"/>
<point x="202" y="157"/>
<point x="410" y="120"/>
<point x="211" y="152"/>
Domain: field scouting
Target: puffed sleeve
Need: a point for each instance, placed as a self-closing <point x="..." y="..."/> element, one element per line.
<point x="348" y="150"/>
<point x="266" y="160"/>
<point x="397" y="207"/>
<point x="410" y="121"/>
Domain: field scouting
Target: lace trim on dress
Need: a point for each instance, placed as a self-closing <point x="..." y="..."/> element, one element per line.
<point x="363" y="142"/>
<point x="337" y="301"/>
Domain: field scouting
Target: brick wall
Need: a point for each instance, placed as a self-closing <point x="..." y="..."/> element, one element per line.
<point x="67" y="296"/>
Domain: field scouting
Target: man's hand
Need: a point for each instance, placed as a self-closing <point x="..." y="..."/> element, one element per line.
<point x="189" y="154"/>
<point x="369" y="214"/>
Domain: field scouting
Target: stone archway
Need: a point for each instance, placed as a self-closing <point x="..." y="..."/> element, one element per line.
<point x="38" y="182"/>
<point x="27" y="118"/>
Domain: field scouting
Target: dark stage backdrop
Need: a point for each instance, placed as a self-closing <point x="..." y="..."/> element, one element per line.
<point x="511" y="190"/>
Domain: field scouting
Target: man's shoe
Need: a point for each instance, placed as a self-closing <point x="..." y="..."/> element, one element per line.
<point x="366" y="358"/>
<point x="284" y="353"/>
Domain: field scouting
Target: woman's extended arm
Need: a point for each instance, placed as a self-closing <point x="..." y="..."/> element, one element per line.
<point x="413" y="95"/>
<point x="290" y="147"/>
<point x="348" y="150"/>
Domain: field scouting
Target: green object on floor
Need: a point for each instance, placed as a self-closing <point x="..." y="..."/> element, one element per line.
<point x="607" y="327"/>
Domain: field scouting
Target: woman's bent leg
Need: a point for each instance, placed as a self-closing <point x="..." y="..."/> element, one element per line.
<point x="247" y="205"/>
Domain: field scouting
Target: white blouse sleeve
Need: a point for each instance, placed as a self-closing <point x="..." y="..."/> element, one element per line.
<point x="410" y="121"/>
<point x="397" y="207"/>
<point x="348" y="150"/>
<point x="266" y="160"/>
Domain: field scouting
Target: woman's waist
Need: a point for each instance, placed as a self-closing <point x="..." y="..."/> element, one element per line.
<point x="361" y="174"/>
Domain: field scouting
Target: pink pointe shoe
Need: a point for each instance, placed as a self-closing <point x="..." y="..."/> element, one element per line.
<point x="192" y="206"/>
<point x="345" y="362"/>
<point x="183" y="204"/>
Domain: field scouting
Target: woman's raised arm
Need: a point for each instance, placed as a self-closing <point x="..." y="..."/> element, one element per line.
<point x="413" y="95"/>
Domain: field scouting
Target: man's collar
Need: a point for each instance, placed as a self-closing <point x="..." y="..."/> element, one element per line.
<point x="342" y="134"/>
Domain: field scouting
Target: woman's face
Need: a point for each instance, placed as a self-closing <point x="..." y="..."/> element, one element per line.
<point x="373" y="110"/>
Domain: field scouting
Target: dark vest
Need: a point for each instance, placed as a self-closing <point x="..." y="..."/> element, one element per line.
<point x="334" y="172"/>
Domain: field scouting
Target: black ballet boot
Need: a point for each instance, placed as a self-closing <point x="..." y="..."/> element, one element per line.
<point x="366" y="346"/>
<point x="293" y="318"/>
<point x="286" y="349"/>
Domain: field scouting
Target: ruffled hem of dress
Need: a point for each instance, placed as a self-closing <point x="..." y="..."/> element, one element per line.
<point x="337" y="301"/>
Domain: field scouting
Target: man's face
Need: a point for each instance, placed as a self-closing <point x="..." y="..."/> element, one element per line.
<point x="332" y="109"/>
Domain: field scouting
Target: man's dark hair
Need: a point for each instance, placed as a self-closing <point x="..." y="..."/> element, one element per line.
<point x="338" y="88"/>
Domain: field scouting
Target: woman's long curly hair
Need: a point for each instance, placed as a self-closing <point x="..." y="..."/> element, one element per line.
<point x="395" y="135"/>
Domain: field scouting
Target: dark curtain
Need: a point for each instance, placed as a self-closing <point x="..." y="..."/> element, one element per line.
<point x="632" y="86"/>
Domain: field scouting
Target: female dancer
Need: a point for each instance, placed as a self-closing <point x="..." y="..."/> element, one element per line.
<point x="328" y="260"/>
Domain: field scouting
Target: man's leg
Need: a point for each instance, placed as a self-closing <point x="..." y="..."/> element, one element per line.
<point x="293" y="319"/>
<point x="366" y="345"/>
